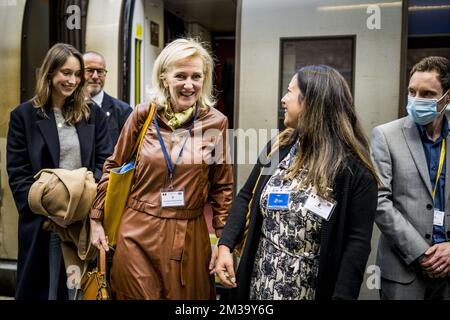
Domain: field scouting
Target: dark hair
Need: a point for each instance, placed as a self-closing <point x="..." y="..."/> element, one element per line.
<point x="434" y="63"/>
<point x="329" y="128"/>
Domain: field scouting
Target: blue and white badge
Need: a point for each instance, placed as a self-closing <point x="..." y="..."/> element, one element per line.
<point x="278" y="200"/>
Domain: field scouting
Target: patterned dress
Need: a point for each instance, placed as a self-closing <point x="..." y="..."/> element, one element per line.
<point x="286" y="262"/>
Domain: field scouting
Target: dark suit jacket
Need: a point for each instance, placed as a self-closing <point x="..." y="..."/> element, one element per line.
<point x="32" y="145"/>
<point x="345" y="238"/>
<point x="117" y="112"/>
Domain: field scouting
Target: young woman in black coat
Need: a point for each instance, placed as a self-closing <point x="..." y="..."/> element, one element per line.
<point x="56" y="129"/>
<point x="310" y="218"/>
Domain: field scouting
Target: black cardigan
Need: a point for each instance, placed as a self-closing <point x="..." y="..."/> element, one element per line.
<point x="345" y="238"/>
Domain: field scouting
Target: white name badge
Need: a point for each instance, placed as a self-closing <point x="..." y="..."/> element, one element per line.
<point x="172" y="198"/>
<point x="438" y="219"/>
<point x="319" y="206"/>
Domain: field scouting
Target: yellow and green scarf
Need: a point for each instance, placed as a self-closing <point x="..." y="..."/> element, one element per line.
<point x="177" y="119"/>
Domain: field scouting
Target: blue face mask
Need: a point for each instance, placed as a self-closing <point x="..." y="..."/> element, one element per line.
<point x="423" y="111"/>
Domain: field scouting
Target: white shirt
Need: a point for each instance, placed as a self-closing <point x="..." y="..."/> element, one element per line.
<point x="98" y="98"/>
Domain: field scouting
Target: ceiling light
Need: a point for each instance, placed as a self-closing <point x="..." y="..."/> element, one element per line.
<point x="360" y="6"/>
<point x="420" y="8"/>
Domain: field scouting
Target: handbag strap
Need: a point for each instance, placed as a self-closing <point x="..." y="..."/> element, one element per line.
<point x="102" y="283"/>
<point x="138" y="144"/>
<point x="101" y="263"/>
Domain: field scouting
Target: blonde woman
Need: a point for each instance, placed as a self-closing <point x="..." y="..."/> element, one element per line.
<point x="311" y="218"/>
<point x="56" y="129"/>
<point x="163" y="249"/>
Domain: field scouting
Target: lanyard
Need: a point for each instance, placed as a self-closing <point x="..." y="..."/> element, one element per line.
<point x="441" y="163"/>
<point x="171" y="168"/>
<point x="292" y="153"/>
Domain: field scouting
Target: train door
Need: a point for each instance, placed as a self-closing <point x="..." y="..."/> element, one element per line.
<point x="214" y="22"/>
<point x="44" y="24"/>
<point x="129" y="35"/>
<point x="224" y="45"/>
<point x="153" y="42"/>
<point x="107" y="33"/>
<point x="11" y="15"/>
<point x="428" y="32"/>
<point x="138" y="33"/>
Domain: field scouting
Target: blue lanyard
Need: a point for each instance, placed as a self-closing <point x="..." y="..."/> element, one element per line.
<point x="171" y="168"/>
<point x="292" y="153"/>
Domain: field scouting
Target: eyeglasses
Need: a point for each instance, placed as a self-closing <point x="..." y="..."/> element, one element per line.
<point x="100" y="72"/>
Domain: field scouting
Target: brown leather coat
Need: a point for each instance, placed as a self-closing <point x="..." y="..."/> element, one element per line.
<point x="201" y="172"/>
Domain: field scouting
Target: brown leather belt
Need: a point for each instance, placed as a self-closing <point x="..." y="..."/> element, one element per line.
<point x="170" y="213"/>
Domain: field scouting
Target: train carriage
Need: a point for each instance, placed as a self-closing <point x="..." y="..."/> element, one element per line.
<point x="258" y="44"/>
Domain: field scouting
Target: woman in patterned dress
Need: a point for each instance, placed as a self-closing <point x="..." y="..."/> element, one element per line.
<point x="309" y="218"/>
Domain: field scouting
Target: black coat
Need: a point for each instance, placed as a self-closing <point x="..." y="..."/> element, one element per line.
<point x="32" y="145"/>
<point x="345" y="238"/>
<point x="117" y="112"/>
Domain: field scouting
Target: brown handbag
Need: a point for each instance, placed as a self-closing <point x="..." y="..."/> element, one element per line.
<point x="94" y="284"/>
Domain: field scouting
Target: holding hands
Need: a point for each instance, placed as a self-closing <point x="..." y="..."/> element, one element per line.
<point x="222" y="265"/>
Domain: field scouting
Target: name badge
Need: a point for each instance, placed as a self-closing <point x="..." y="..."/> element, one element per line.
<point x="278" y="200"/>
<point x="438" y="219"/>
<point x="321" y="207"/>
<point x="172" y="198"/>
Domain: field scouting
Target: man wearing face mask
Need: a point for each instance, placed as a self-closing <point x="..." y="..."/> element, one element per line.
<point x="413" y="214"/>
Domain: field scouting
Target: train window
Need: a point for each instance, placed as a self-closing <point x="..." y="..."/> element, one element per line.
<point x="337" y="52"/>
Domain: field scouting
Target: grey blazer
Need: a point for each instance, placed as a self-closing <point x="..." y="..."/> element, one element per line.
<point x="405" y="204"/>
